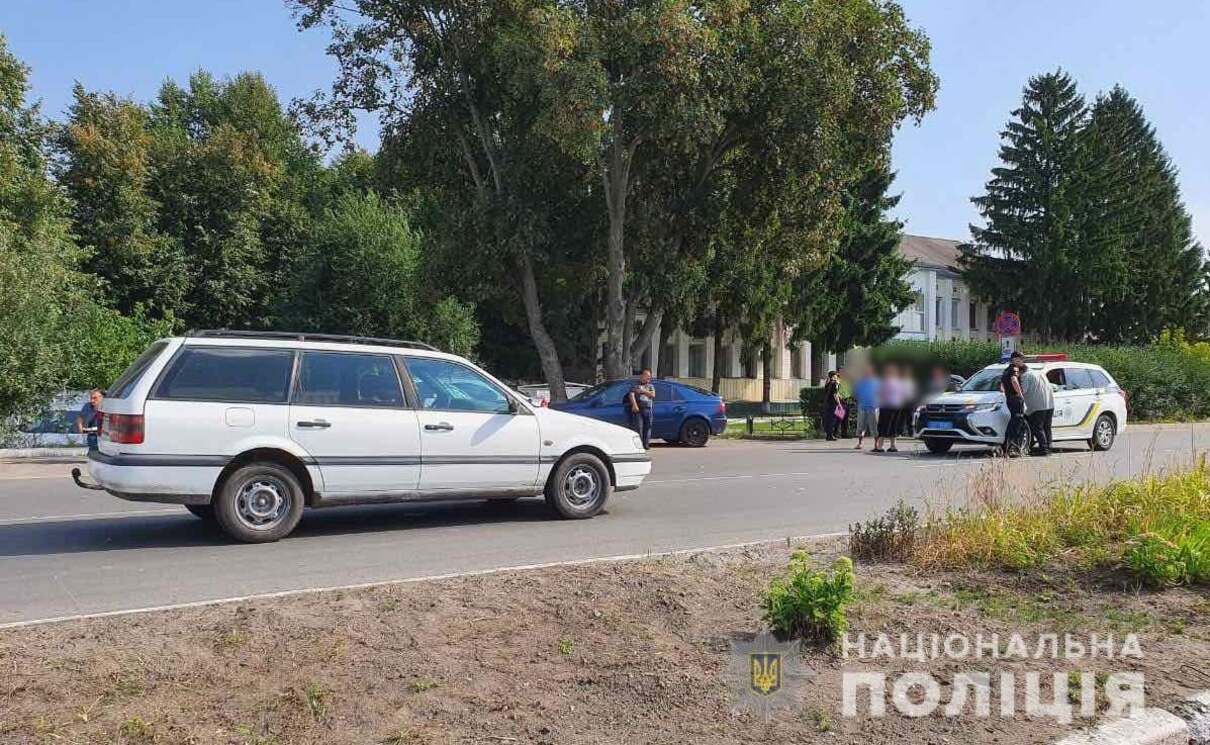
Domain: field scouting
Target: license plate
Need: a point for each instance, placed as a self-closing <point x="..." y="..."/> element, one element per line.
<point x="937" y="424"/>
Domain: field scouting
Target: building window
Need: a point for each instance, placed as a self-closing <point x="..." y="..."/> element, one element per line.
<point x="796" y="361"/>
<point x="668" y="361"/>
<point x="955" y="304"/>
<point x="991" y="318"/>
<point x="697" y="360"/>
<point x="937" y="311"/>
<point x="974" y="315"/>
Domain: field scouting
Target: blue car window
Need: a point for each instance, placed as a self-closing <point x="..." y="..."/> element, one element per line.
<point x="666" y="392"/>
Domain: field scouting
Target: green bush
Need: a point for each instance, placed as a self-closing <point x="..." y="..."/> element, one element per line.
<point x="809" y="603"/>
<point x="1168" y="380"/>
<point x="810" y="400"/>
<point x="887" y="538"/>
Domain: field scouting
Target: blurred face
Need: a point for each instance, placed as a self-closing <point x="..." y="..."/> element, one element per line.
<point x="645" y="377"/>
<point x="95" y="398"/>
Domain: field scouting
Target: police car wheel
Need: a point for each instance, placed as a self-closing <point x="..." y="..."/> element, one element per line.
<point x="1103" y="433"/>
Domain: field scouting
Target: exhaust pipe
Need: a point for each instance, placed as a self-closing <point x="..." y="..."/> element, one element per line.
<point x="80" y="482"/>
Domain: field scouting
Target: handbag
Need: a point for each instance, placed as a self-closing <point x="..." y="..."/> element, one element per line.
<point x="838" y="412"/>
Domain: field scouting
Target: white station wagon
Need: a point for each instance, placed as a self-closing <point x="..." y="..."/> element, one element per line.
<point x="246" y="428"/>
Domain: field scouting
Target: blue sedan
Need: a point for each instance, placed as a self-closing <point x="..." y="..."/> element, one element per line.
<point x="683" y="413"/>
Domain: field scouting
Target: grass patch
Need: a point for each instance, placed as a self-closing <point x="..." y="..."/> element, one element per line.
<point x="787" y="428"/>
<point x="888" y="538"/>
<point x="1157" y="527"/>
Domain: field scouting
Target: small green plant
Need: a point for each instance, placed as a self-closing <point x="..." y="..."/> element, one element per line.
<point x="422" y="685"/>
<point x="810" y="603"/>
<point x="137" y="730"/>
<point x="888" y="538"/>
<point x="823" y="722"/>
<point x="565" y="647"/>
<point x="316" y="698"/>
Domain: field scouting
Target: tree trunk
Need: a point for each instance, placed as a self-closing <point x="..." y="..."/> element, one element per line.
<point x="643" y="339"/>
<point x="548" y="353"/>
<point x="615" y="176"/>
<point x="716" y="380"/>
<point x="628" y="359"/>
<point x="766" y="363"/>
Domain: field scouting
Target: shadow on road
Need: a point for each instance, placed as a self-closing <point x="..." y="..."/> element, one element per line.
<point x="170" y="531"/>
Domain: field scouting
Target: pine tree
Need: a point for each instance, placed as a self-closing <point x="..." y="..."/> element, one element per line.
<point x="1028" y="257"/>
<point x="1152" y="273"/>
<point x="853" y="299"/>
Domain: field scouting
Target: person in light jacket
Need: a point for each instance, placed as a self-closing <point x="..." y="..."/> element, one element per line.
<point x="1040" y="409"/>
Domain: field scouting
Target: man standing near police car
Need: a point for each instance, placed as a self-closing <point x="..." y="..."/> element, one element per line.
<point x="1039" y="407"/>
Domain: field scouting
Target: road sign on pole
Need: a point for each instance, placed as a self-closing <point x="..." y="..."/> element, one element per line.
<point x="1008" y="327"/>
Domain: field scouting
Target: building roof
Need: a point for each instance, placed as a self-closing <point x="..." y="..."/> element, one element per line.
<point x="939" y="253"/>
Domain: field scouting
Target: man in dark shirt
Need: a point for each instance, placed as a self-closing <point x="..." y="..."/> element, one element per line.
<point x="88" y="421"/>
<point x="640" y="401"/>
<point x="1014" y="398"/>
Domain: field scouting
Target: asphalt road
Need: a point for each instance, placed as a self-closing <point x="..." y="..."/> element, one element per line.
<point x="66" y="551"/>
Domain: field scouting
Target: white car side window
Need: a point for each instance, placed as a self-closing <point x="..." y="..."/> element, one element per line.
<point x="448" y="386"/>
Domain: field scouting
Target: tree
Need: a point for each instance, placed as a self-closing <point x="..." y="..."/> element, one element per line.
<point x="1029" y="257"/>
<point x="1152" y="274"/>
<point x="447" y="75"/>
<point x="106" y="162"/>
<point x="53" y="333"/>
<point x="362" y="272"/>
<point x="853" y="299"/>
<point x="675" y="98"/>
<point x="654" y="102"/>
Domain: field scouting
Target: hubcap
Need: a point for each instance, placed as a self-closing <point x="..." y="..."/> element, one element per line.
<point x="262" y="503"/>
<point x="1104" y="433"/>
<point x="581" y="485"/>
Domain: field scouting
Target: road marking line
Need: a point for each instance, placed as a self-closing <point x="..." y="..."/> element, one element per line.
<point x="88" y="516"/>
<point x="414" y="580"/>
<point x="719" y="478"/>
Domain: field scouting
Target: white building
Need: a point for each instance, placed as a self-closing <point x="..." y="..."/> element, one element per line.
<point x="944" y="309"/>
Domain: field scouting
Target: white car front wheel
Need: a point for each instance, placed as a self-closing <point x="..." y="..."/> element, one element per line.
<point x="579" y="487"/>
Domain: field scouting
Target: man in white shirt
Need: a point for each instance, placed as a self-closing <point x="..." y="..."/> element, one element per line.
<point x="1040" y="408"/>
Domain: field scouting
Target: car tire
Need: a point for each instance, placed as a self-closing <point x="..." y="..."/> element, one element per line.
<point x="938" y="446"/>
<point x="259" y="503"/>
<point x="202" y="511"/>
<point x="695" y="433"/>
<point x="1103" y="433"/>
<point x="579" y="487"/>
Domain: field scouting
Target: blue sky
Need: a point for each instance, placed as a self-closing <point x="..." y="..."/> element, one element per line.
<point x="983" y="51"/>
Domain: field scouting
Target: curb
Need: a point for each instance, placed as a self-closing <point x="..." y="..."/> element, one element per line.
<point x="30" y="453"/>
<point x="1154" y="727"/>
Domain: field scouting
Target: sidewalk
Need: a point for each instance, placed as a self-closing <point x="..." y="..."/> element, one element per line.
<point x="75" y="455"/>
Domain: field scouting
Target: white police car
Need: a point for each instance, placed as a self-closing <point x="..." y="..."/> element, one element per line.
<point x="1089" y="406"/>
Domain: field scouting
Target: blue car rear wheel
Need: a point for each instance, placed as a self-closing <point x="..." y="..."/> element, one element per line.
<point x="695" y="433"/>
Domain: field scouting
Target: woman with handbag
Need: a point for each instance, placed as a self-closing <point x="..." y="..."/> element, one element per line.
<point x="833" y="410"/>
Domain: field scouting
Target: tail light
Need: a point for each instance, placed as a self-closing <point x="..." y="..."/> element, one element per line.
<point x="123" y="429"/>
<point x="722" y="407"/>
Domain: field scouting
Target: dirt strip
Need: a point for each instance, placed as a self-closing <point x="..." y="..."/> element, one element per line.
<point x="629" y="652"/>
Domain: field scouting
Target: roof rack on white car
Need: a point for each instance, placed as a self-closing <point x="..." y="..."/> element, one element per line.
<point x="307" y="336"/>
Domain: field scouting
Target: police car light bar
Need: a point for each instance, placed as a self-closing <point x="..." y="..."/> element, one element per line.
<point x="1051" y="357"/>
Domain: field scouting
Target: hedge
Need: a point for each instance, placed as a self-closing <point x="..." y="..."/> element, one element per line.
<point x="1168" y="380"/>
